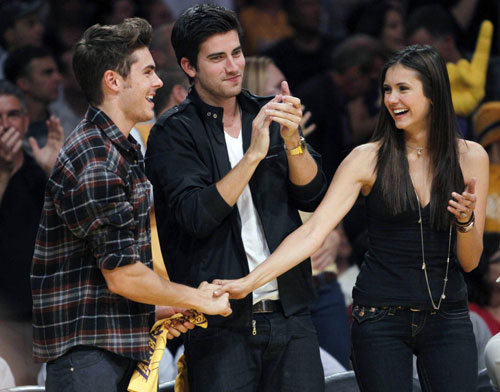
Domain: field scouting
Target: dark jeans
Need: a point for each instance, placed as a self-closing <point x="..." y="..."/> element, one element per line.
<point x="329" y="316"/>
<point x="283" y="356"/>
<point x="85" y="368"/>
<point x="384" y="341"/>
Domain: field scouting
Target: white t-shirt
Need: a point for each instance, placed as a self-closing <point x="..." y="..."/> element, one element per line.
<point x="252" y="233"/>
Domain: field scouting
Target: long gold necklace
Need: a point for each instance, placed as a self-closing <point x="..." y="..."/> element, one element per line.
<point x="424" y="265"/>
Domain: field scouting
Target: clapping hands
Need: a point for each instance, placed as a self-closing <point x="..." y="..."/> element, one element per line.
<point x="47" y="155"/>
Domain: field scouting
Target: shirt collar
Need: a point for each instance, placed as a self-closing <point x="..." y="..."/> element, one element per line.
<point x="101" y="120"/>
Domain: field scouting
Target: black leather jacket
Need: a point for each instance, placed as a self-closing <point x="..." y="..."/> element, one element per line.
<point x="200" y="234"/>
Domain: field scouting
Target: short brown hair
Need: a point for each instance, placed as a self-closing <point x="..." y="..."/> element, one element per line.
<point x="105" y="48"/>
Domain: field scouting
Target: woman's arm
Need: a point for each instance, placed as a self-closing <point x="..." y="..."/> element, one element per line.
<point x="355" y="172"/>
<point x="475" y="167"/>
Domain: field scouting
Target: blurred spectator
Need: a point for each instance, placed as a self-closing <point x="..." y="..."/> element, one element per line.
<point x="307" y="52"/>
<point x="264" y="23"/>
<point x="484" y="294"/>
<point x="115" y="11"/>
<point x="66" y="22"/>
<point x="433" y="25"/>
<point x="467" y="16"/>
<point x="71" y="104"/>
<point x="22" y="184"/>
<point x="156" y="12"/>
<point x="382" y="20"/>
<point x="34" y="70"/>
<point x="355" y="64"/>
<point x="336" y="15"/>
<point x="6" y="376"/>
<point x="161" y="47"/>
<point x="174" y="90"/>
<point x="487" y="133"/>
<point x="263" y="77"/>
<point x="177" y="7"/>
<point x="20" y="25"/>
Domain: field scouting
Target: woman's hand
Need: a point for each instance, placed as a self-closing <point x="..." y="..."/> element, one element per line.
<point x="237" y="288"/>
<point x="463" y="205"/>
<point x="212" y="303"/>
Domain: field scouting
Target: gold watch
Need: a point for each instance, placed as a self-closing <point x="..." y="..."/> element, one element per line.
<point x="300" y="149"/>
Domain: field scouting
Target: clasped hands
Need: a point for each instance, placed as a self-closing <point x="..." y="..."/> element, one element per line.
<point x="180" y="319"/>
<point x="284" y="109"/>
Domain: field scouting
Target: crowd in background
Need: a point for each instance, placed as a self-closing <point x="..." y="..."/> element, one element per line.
<point x="330" y="52"/>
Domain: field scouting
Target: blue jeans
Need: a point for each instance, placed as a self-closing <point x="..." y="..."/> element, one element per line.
<point x="329" y="315"/>
<point x="85" y="368"/>
<point x="283" y="356"/>
<point x="385" y="339"/>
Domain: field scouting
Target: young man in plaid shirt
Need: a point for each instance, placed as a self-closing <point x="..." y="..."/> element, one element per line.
<point x="92" y="282"/>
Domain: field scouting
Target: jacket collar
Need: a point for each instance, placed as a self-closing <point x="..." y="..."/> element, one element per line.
<point x="247" y="101"/>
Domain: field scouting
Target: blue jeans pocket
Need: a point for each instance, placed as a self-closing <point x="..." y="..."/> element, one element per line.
<point x="368" y="313"/>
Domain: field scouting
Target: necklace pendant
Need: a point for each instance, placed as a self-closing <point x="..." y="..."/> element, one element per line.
<point x="419" y="150"/>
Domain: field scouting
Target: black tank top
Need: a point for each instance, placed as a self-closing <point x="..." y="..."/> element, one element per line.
<point x="392" y="274"/>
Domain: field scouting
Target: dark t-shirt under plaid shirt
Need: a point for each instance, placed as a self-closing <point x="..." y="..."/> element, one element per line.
<point x="95" y="216"/>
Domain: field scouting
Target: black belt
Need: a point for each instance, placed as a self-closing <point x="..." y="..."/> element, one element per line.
<point x="266" y="306"/>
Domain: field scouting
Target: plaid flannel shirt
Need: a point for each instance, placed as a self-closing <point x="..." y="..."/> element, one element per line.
<point x="95" y="216"/>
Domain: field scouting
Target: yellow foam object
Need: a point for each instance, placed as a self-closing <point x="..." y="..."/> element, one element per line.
<point x="467" y="79"/>
<point x="145" y="377"/>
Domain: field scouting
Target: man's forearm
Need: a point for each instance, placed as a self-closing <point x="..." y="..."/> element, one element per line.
<point x="302" y="168"/>
<point x="141" y="284"/>
<point x="233" y="183"/>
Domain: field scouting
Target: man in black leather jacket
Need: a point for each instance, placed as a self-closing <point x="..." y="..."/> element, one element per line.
<point x="230" y="170"/>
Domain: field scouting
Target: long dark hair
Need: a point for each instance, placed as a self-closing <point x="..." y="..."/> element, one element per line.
<point x="392" y="164"/>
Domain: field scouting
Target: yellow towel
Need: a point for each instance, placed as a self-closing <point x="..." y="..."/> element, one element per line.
<point x="181" y="380"/>
<point x="145" y="377"/>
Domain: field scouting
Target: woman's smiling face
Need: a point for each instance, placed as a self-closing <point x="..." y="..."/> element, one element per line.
<point x="405" y="100"/>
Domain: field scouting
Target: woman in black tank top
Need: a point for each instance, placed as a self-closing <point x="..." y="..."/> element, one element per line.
<point x="426" y="204"/>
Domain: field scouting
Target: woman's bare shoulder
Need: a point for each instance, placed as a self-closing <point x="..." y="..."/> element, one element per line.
<point x="471" y="151"/>
<point x="367" y="150"/>
<point x="474" y="159"/>
<point x="362" y="161"/>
